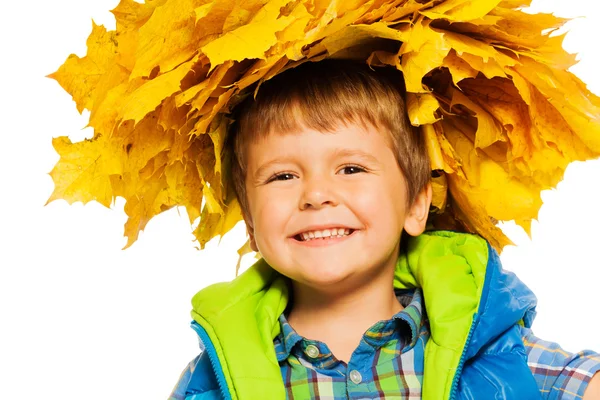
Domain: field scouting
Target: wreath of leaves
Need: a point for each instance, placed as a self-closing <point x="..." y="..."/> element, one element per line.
<point x="486" y="83"/>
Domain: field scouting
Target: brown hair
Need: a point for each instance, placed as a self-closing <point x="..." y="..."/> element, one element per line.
<point x="319" y="96"/>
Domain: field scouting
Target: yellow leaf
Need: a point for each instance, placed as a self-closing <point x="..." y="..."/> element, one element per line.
<point x="128" y="42"/>
<point x="461" y="10"/>
<point x="201" y="92"/>
<point x="354" y="35"/>
<point x="439" y="186"/>
<point x="519" y="33"/>
<point x="464" y="44"/>
<point x="378" y="10"/>
<point x="242" y="251"/>
<point x="470" y="210"/>
<point x="297" y="27"/>
<point x="550" y="53"/>
<point x="82" y="173"/>
<point x="252" y="40"/>
<point x="421" y="108"/>
<point x="170" y="117"/>
<point x="326" y="26"/>
<point x="423" y="50"/>
<point x="436" y="157"/>
<point x="143" y="207"/>
<point x="514" y="3"/>
<point x="184" y="184"/>
<point x="218" y="139"/>
<point x="242" y="12"/>
<point x="80" y="76"/>
<point x="233" y="215"/>
<point x="525" y="30"/>
<point x="202" y="11"/>
<point x="167" y="39"/>
<point x="408" y="8"/>
<point x="490" y="69"/>
<point x="535" y="131"/>
<point x="487" y="189"/>
<point x="568" y="95"/>
<point x="208" y="228"/>
<point x="212" y="204"/>
<point x="149" y="96"/>
<point x="217" y="224"/>
<point x="139" y="144"/>
<point x="489" y="130"/>
<point x="459" y="69"/>
<point x="262" y="70"/>
<point x="104" y="116"/>
<point x="131" y="15"/>
<point x="210" y="110"/>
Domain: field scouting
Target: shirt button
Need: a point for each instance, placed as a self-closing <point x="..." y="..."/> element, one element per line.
<point x="355" y="376"/>
<point x="312" y="351"/>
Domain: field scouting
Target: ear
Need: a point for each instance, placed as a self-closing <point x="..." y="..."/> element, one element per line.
<point x="416" y="217"/>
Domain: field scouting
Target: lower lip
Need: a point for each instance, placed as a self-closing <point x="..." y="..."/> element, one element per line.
<point x="324" y="242"/>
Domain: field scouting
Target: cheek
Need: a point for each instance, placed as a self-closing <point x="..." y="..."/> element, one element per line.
<point x="370" y="205"/>
<point x="378" y="206"/>
<point x="271" y="211"/>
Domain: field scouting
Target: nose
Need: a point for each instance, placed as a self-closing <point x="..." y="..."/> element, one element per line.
<point x="317" y="193"/>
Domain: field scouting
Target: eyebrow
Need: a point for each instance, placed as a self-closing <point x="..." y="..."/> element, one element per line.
<point x="342" y="153"/>
<point x="279" y="160"/>
<point x="356" y="153"/>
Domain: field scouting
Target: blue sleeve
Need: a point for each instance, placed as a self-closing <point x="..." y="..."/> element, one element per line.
<point x="558" y="373"/>
<point x="180" y="389"/>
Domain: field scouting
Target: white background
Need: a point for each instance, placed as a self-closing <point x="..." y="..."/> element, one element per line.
<point x="80" y="318"/>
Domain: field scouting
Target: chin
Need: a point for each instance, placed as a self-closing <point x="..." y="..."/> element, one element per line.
<point x="323" y="278"/>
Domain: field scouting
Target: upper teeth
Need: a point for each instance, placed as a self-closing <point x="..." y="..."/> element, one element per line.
<point x="337" y="232"/>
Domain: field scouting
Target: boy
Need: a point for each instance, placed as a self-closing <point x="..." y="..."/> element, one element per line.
<point x="352" y="298"/>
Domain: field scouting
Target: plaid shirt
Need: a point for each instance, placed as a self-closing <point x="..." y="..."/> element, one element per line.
<point x="388" y="362"/>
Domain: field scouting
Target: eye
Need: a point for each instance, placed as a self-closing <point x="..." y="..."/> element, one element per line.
<point x="352" y="169"/>
<point x="282" y="176"/>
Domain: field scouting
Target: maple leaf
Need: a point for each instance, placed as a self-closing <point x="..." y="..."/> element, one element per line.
<point x="487" y="86"/>
<point x="83" y="171"/>
<point x="81" y="77"/>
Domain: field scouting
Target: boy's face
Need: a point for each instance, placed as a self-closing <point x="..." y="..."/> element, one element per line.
<point x="308" y="181"/>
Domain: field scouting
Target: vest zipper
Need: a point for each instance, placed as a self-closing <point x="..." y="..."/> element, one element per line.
<point x="454" y="387"/>
<point x="214" y="360"/>
<point x="491" y="253"/>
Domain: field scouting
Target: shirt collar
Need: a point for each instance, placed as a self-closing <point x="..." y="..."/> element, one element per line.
<point x="405" y="325"/>
<point x="286" y="340"/>
<point x="413" y="314"/>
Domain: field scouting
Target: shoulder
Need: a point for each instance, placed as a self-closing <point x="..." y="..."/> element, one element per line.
<point x="560" y="373"/>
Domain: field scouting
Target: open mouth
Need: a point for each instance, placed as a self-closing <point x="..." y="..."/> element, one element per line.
<point x="327" y="234"/>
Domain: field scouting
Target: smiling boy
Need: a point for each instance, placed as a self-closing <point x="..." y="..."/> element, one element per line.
<point x="317" y="201"/>
<point x="352" y="298"/>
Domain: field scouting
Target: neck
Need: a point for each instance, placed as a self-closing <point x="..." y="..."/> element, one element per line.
<point x="321" y="315"/>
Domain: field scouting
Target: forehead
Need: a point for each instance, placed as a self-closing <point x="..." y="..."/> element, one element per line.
<point x="346" y="139"/>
